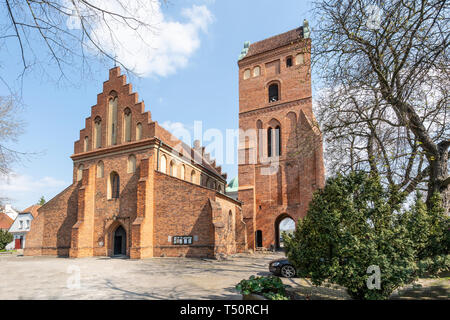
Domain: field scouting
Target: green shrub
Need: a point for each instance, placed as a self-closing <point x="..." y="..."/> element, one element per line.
<point x="270" y="287"/>
<point x="5" y="238"/>
<point x="355" y="223"/>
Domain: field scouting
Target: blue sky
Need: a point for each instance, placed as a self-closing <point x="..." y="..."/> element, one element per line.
<point x="204" y="86"/>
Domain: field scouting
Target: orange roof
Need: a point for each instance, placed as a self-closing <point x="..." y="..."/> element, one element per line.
<point x="5" y="221"/>
<point x="33" y="210"/>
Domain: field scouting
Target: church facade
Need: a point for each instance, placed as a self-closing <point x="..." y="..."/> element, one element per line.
<point x="140" y="192"/>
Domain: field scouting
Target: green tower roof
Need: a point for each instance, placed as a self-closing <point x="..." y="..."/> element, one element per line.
<point x="233" y="186"/>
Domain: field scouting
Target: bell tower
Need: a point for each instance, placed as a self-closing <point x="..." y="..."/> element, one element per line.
<point x="280" y="144"/>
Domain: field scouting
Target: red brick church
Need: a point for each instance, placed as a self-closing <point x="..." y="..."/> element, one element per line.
<point x="140" y="192"/>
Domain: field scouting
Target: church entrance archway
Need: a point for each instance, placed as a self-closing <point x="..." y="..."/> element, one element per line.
<point x="284" y="223"/>
<point x="120" y="242"/>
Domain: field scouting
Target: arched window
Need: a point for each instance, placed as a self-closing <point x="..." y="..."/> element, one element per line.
<point x="278" y="141"/>
<point x="98" y="132"/>
<point x="247" y="74"/>
<point x="257" y="71"/>
<point x="193" y="176"/>
<point x="273" y="93"/>
<point x="100" y="169"/>
<point x="131" y="168"/>
<point x="112" y="121"/>
<point x="288" y="62"/>
<point x="269" y="142"/>
<point x="86" y="144"/>
<point x="163" y="165"/>
<point x="114" y="186"/>
<point x="127" y="125"/>
<point x="183" y="172"/>
<point x="80" y="172"/>
<point x="138" y="131"/>
<point x="173" y="168"/>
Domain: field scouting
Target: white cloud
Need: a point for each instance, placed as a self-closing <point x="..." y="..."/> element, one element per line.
<point x="158" y="50"/>
<point x="24" y="190"/>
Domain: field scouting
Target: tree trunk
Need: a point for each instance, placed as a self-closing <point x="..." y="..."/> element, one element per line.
<point x="439" y="179"/>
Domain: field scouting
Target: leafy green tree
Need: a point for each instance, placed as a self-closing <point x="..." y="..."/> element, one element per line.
<point x="41" y="201"/>
<point x="353" y="224"/>
<point x="5" y="238"/>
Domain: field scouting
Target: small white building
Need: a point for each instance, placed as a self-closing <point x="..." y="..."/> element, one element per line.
<point x="10" y="212"/>
<point x="21" y="226"/>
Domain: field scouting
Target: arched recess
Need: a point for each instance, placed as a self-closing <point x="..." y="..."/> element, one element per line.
<point x="260" y="139"/>
<point x="80" y="172"/>
<point x="131" y="165"/>
<point x="139" y="131"/>
<point x="292" y="140"/>
<point x="183" y="172"/>
<point x="127" y="125"/>
<point x="100" y="169"/>
<point x="286" y="223"/>
<point x="193" y="176"/>
<point x="274" y="140"/>
<point x="97" y="132"/>
<point x="173" y="168"/>
<point x="112" y="118"/>
<point x="163" y="164"/>
<point x="113" y="185"/>
<point x="86" y="144"/>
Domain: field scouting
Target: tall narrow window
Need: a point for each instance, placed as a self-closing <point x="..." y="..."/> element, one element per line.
<point x="112" y="121"/>
<point x="193" y="176"/>
<point x="278" y="141"/>
<point x="80" y="172"/>
<point x="269" y="142"/>
<point x="131" y="164"/>
<point x="86" y="144"/>
<point x="114" y="186"/>
<point x="274" y="93"/>
<point x="127" y="125"/>
<point x="230" y="221"/>
<point x="173" y="169"/>
<point x="257" y="71"/>
<point x="163" y="164"/>
<point x="138" y="131"/>
<point x="100" y="169"/>
<point x="98" y="132"/>
<point x="182" y="172"/>
<point x="288" y="62"/>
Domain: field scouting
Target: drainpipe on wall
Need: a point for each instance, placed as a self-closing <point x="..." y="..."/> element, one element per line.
<point x="157" y="160"/>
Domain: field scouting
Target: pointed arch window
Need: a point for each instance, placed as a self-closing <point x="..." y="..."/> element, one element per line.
<point x="131" y="167"/>
<point x="86" y="144"/>
<point x="80" y="172"/>
<point x="114" y="186"/>
<point x="112" y="121"/>
<point x="173" y="168"/>
<point x="277" y="141"/>
<point x="98" y="132"/>
<point x="127" y="125"/>
<point x="163" y="165"/>
<point x="183" y="172"/>
<point x="100" y="169"/>
<point x="138" y="131"/>
<point x="269" y="142"/>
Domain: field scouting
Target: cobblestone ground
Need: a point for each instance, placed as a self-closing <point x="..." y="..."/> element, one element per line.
<point x="107" y="278"/>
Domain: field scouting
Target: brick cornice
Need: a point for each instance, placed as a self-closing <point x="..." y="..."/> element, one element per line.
<point x="274" y="107"/>
<point x="257" y="58"/>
